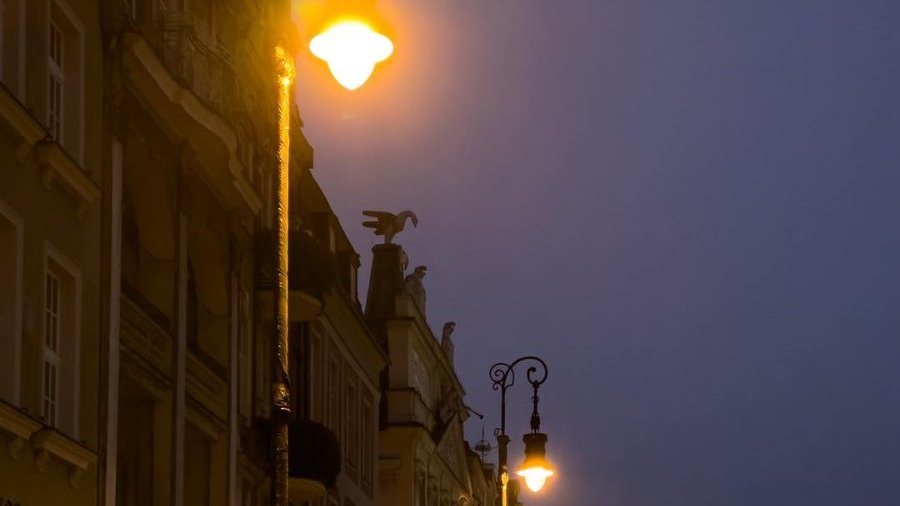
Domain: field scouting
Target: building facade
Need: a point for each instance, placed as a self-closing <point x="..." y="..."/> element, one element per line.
<point x="423" y="457"/>
<point x="136" y="161"/>
<point x="51" y="170"/>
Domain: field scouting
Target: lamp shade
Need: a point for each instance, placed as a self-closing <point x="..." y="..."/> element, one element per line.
<point x="351" y="38"/>
<point x="535" y="470"/>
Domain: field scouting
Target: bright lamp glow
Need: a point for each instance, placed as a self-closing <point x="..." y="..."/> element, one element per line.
<point x="351" y="48"/>
<point x="535" y="477"/>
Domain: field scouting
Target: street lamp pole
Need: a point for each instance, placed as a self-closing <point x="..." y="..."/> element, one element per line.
<point x="503" y="377"/>
<point x="281" y="399"/>
<point x="352" y="48"/>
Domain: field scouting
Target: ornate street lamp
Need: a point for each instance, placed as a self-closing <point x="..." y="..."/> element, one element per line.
<point x="535" y="470"/>
<point x="351" y="39"/>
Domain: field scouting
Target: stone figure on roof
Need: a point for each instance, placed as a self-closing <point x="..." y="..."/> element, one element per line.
<point x="412" y="285"/>
<point x="447" y="342"/>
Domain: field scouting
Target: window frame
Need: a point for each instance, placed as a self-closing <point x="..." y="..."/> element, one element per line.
<point x="315" y="363"/>
<point x="2" y="32"/>
<point x="367" y="440"/>
<point x="74" y="60"/>
<point x="245" y="355"/>
<point x="334" y="389"/>
<point x="51" y="361"/>
<point x="69" y="353"/>
<point x="56" y="83"/>
<point x="12" y="28"/>
<point x="351" y="423"/>
<point x="18" y="225"/>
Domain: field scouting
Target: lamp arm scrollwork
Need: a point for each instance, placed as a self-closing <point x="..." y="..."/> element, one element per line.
<point x="503" y="375"/>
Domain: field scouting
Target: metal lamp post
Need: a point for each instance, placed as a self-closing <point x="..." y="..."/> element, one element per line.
<point x="535" y="469"/>
<point x="352" y="47"/>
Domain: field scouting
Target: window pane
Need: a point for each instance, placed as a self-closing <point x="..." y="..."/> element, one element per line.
<point x="50" y="386"/>
<point x="55" y="47"/>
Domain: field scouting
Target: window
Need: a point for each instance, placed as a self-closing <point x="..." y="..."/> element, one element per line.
<point x="65" y="100"/>
<point x="333" y="391"/>
<point x="60" y="343"/>
<point x="51" y="349"/>
<point x="245" y="354"/>
<point x="2" y="33"/>
<point x="12" y="45"/>
<point x="55" y="86"/>
<point x="315" y="375"/>
<point x="351" y="422"/>
<point x="367" y="443"/>
<point x="197" y="467"/>
<point x="263" y="381"/>
<point x="11" y="243"/>
<point x="131" y="9"/>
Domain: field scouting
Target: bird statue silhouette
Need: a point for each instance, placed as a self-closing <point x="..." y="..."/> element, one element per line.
<point x="389" y="224"/>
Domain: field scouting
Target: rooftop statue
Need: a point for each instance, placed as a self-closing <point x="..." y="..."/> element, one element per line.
<point x="447" y="341"/>
<point x="389" y="224"/>
<point x="412" y="285"/>
<point x="449" y="327"/>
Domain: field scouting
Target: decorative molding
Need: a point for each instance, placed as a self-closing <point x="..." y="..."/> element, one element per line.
<point x="57" y="165"/>
<point x="206" y="387"/>
<point x="49" y="442"/>
<point x="20" y="121"/>
<point x="19" y="426"/>
<point x="142" y="337"/>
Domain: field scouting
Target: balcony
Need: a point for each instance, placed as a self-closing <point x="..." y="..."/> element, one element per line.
<point x="201" y="67"/>
<point x="314" y="460"/>
<point x="190" y="89"/>
<point x="312" y="268"/>
<point x="146" y="344"/>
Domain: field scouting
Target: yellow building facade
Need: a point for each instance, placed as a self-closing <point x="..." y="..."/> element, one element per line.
<point x="51" y="275"/>
<point x="136" y="159"/>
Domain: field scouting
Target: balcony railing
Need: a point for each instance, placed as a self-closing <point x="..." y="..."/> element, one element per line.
<point x="200" y="65"/>
<point x="144" y="337"/>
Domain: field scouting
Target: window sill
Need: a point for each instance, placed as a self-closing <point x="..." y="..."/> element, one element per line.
<point x="57" y="165"/>
<point x="19" y="426"/>
<point x="49" y="441"/>
<point x="19" y="120"/>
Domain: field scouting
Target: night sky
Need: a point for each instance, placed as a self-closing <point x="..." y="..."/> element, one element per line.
<point x="688" y="208"/>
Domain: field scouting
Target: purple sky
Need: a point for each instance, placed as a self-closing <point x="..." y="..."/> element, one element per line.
<point x="688" y="208"/>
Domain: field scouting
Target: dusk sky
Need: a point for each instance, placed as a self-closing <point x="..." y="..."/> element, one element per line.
<point x="688" y="208"/>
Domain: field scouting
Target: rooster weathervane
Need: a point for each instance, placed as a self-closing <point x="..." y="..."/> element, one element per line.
<point x="389" y="224"/>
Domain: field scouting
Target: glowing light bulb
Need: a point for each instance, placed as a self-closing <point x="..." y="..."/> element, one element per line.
<point x="535" y="477"/>
<point x="352" y="49"/>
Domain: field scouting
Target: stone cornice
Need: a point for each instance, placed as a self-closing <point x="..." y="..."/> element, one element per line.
<point x="56" y="165"/>
<point x="49" y="441"/>
<point x="19" y="426"/>
<point x="19" y="121"/>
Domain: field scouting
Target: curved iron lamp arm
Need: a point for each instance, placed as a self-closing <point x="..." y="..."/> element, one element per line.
<point x="503" y="376"/>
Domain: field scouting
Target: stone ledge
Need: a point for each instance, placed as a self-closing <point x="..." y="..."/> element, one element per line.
<point x="20" y="122"/>
<point x="19" y="426"/>
<point x="57" y="165"/>
<point x="49" y="441"/>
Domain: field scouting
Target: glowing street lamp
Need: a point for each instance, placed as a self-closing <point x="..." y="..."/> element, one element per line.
<point x="535" y="470"/>
<point x="352" y="39"/>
